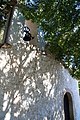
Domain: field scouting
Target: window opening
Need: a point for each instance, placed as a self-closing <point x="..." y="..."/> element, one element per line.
<point x="68" y="107"/>
<point x="79" y="86"/>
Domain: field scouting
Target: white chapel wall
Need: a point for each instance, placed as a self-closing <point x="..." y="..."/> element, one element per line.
<point x="32" y="85"/>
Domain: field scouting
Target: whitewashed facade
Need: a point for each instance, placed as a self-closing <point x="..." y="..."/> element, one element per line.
<point x="32" y="84"/>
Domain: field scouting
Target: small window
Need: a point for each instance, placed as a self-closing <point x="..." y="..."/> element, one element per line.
<point x="79" y="86"/>
<point x="68" y="107"/>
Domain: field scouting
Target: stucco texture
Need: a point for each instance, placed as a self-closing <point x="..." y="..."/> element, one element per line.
<point x="33" y="84"/>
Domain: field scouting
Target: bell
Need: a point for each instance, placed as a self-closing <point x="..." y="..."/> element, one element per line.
<point x="27" y="36"/>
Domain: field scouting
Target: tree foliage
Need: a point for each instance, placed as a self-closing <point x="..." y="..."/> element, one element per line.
<point x="5" y="7"/>
<point x="60" y="21"/>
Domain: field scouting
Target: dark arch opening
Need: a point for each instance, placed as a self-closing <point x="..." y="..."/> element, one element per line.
<point x="68" y="107"/>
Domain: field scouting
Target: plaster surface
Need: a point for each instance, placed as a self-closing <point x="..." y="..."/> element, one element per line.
<point x="32" y="84"/>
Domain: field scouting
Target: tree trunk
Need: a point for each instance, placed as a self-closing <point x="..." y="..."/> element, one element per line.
<point x="8" y="23"/>
<point x="7" y="27"/>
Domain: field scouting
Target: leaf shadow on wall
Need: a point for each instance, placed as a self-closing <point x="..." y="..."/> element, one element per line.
<point x="29" y="85"/>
